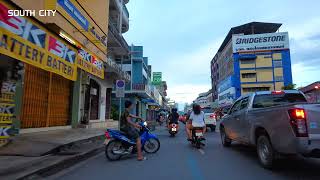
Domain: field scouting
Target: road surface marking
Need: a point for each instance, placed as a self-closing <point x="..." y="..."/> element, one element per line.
<point x="201" y="151"/>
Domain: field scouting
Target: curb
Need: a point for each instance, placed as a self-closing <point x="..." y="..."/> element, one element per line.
<point x="63" y="164"/>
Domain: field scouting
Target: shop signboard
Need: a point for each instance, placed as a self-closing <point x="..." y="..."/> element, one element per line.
<point x="26" y="40"/>
<point x="90" y="63"/>
<point x="72" y="11"/>
<point x="260" y="42"/>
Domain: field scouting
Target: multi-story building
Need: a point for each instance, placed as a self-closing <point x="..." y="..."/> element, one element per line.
<point x="253" y="57"/>
<point x="139" y="90"/>
<point x="205" y="99"/>
<point x="62" y="75"/>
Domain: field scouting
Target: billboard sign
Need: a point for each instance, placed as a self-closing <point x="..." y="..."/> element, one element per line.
<point x="260" y="42"/>
<point x="225" y="84"/>
<point x="227" y="97"/>
<point x="157" y="78"/>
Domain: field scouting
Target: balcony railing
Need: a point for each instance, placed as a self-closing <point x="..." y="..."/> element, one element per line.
<point x="117" y="69"/>
<point x="138" y="87"/>
<point x="113" y="29"/>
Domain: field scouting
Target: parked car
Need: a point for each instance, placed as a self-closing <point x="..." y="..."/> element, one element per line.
<point x="210" y="118"/>
<point x="276" y="123"/>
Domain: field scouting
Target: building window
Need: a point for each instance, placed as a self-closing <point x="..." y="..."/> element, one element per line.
<point x="255" y="89"/>
<point x="278" y="78"/>
<point x="250" y="61"/>
<point x="277" y="63"/>
<point x="249" y="75"/>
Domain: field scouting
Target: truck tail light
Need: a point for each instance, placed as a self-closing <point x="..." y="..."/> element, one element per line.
<point x="212" y="116"/>
<point x="107" y="135"/>
<point x="277" y="92"/>
<point x="298" y="122"/>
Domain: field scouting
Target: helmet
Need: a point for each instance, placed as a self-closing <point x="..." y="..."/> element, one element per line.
<point x="174" y="109"/>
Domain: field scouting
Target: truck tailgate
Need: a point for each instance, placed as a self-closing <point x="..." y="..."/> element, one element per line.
<point x="313" y="119"/>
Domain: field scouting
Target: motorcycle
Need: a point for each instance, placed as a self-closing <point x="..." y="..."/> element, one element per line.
<point x="117" y="144"/>
<point x="173" y="129"/>
<point x="197" y="137"/>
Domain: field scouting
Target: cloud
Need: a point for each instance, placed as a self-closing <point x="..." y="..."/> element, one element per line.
<point x="188" y="74"/>
<point x="304" y="48"/>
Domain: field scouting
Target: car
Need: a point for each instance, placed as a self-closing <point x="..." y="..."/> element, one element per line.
<point x="276" y="123"/>
<point x="210" y="118"/>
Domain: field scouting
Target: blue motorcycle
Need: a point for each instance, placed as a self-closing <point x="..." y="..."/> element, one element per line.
<point x="119" y="145"/>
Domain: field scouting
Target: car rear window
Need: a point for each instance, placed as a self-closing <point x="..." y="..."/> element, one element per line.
<point x="269" y="100"/>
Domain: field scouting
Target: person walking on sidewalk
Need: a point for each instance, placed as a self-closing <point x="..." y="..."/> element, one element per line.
<point x="130" y="127"/>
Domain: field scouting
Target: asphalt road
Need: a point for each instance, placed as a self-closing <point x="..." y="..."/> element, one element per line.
<point x="176" y="159"/>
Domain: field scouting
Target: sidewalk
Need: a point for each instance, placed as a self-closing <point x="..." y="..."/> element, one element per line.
<point x="39" y="152"/>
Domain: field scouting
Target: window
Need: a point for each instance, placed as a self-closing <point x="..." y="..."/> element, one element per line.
<point x="269" y="100"/>
<point x="235" y="107"/>
<point x="278" y="78"/>
<point x="255" y="89"/>
<point x="277" y="63"/>
<point x="249" y="75"/>
<point x="251" y="61"/>
<point x="244" y="103"/>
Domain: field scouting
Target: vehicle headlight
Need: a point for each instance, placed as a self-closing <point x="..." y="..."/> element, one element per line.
<point x="145" y="123"/>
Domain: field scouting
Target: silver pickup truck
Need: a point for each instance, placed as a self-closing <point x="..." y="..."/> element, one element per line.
<point x="276" y="123"/>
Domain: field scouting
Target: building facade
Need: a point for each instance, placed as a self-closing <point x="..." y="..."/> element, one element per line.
<point x="146" y="98"/>
<point x="60" y="74"/>
<point x="312" y="92"/>
<point x="253" y="57"/>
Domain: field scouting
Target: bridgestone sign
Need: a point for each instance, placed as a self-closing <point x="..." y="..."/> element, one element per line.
<point x="260" y="42"/>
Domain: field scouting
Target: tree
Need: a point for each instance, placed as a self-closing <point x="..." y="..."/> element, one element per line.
<point x="289" y="87"/>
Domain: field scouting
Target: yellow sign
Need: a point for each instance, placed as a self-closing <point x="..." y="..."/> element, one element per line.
<point x="90" y="63"/>
<point x="24" y="39"/>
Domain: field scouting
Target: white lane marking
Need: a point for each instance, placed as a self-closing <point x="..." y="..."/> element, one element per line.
<point x="201" y="151"/>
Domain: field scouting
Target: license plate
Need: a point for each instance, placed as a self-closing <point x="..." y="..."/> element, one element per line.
<point x="106" y="141"/>
<point x="174" y="129"/>
<point x="199" y="134"/>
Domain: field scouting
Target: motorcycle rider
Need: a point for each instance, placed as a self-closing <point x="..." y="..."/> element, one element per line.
<point x="195" y="119"/>
<point x="173" y="116"/>
<point x="128" y="126"/>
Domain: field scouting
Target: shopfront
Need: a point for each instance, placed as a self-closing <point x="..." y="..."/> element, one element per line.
<point x="49" y="70"/>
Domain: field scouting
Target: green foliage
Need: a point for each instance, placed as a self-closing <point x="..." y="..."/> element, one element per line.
<point x="289" y="87"/>
<point x="115" y="112"/>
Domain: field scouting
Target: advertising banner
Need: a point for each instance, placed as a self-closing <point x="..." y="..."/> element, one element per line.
<point x="260" y="42"/>
<point x="7" y="108"/>
<point x="227" y="97"/>
<point x="26" y="40"/>
<point x="90" y="63"/>
<point x="225" y="84"/>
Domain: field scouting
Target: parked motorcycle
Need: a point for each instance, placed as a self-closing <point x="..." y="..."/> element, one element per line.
<point x="119" y="145"/>
<point x="197" y="137"/>
<point x="173" y="129"/>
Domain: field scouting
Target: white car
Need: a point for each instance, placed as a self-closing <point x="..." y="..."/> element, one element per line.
<point x="210" y="118"/>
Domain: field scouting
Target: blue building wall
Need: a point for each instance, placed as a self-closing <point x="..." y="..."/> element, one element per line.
<point x="286" y="63"/>
<point x="137" y="76"/>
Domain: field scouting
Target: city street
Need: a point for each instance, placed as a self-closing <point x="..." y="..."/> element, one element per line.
<point x="176" y="159"/>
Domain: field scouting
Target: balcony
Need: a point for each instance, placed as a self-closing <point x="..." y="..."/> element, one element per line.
<point x="116" y="43"/>
<point x="112" y="66"/>
<point x="141" y="89"/>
